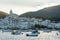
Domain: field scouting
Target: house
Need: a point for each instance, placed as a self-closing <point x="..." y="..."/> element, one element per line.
<point x="24" y="25"/>
<point x="52" y="25"/>
<point x="46" y="22"/>
<point x="57" y="25"/>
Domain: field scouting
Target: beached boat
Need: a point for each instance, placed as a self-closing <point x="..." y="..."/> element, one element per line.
<point x="34" y="33"/>
<point x="16" y="32"/>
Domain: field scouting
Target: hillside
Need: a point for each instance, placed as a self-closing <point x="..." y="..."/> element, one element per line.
<point x="52" y="13"/>
<point x="3" y="14"/>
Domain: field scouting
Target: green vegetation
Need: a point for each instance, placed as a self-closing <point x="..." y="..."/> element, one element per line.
<point x="40" y="26"/>
<point x="51" y="13"/>
<point x="43" y="27"/>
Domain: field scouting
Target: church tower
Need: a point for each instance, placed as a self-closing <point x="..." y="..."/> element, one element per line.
<point x="11" y="12"/>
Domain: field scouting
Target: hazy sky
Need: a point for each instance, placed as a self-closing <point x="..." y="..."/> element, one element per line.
<point x="21" y="6"/>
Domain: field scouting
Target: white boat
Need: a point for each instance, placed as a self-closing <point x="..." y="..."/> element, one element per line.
<point x="34" y="33"/>
<point x="16" y="32"/>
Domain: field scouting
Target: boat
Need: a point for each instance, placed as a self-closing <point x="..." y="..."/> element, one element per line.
<point x="34" y="33"/>
<point x="16" y="32"/>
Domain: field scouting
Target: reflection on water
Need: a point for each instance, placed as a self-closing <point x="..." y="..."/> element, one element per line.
<point x="44" y="35"/>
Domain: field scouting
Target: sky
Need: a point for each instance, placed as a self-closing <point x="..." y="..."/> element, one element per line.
<point x="21" y="6"/>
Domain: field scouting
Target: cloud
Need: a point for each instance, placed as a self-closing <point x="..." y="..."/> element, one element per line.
<point x="29" y="2"/>
<point x="22" y="6"/>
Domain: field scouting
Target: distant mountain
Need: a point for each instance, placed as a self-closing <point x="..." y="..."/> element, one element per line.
<point x="52" y="13"/>
<point x="3" y="14"/>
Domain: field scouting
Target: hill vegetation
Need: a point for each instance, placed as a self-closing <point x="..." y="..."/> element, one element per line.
<point x="51" y="13"/>
<point x="3" y="14"/>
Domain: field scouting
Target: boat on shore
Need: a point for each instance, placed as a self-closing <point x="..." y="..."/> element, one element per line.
<point x="34" y="33"/>
<point x="16" y="32"/>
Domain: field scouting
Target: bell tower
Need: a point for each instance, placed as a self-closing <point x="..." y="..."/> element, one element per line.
<point x="11" y="12"/>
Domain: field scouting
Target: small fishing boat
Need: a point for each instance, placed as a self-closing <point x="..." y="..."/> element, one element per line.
<point x="16" y="32"/>
<point x="34" y="33"/>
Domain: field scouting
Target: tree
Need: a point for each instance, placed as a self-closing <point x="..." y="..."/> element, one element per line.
<point x="37" y="26"/>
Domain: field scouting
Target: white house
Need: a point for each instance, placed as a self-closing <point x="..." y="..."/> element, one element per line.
<point x="46" y="22"/>
<point x="24" y="25"/>
<point x="57" y="25"/>
<point x="14" y="20"/>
